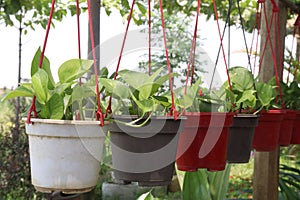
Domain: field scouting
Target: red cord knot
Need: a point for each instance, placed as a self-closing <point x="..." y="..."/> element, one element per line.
<point x="261" y="1"/>
<point x="100" y="117"/>
<point x="32" y="109"/>
<point x="174" y="112"/>
<point x="275" y="7"/>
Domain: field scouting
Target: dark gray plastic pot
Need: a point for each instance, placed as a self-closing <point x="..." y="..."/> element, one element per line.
<point x="241" y="137"/>
<point x="147" y="154"/>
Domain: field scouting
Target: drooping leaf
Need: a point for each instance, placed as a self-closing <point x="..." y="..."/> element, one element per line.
<point x="40" y="86"/>
<point x="24" y="90"/>
<point x="73" y="69"/>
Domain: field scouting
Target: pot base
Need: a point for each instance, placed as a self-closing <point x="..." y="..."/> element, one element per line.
<point x="65" y="191"/>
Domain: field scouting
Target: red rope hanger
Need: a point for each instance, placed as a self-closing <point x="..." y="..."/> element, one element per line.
<point x="221" y="43"/>
<point x="274" y="18"/>
<point x="257" y="25"/>
<point x="296" y="28"/>
<point x="192" y="51"/>
<point x="99" y="114"/>
<point x="108" y="109"/>
<point x="173" y="111"/>
<point x="32" y="107"/>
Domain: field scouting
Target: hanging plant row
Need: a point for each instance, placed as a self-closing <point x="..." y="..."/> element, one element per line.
<point x="149" y="129"/>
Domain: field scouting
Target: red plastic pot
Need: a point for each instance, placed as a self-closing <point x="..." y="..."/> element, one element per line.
<point x="286" y="128"/>
<point x="203" y="141"/>
<point x="296" y="129"/>
<point x="266" y="135"/>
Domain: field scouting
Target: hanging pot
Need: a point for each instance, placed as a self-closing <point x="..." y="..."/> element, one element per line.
<point x="65" y="155"/>
<point x="295" y="139"/>
<point x="146" y="154"/>
<point x="241" y="137"/>
<point x="286" y="128"/>
<point x="266" y="134"/>
<point x="203" y="142"/>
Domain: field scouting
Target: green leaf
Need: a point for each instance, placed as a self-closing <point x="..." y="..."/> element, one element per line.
<point x="45" y="66"/>
<point x="61" y="88"/>
<point x="73" y="69"/>
<point x="141" y="8"/>
<point x="265" y="94"/>
<point x="24" y="90"/>
<point x="133" y="78"/>
<point x="81" y="92"/>
<point x="241" y="78"/>
<point x="219" y="183"/>
<point x="248" y="99"/>
<point x="116" y="88"/>
<point x="195" y="186"/>
<point x="146" y="196"/>
<point x="54" y="108"/>
<point x="40" y="86"/>
<point x="188" y="99"/>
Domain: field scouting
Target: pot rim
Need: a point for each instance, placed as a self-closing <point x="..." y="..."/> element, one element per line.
<point x="57" y="121"/>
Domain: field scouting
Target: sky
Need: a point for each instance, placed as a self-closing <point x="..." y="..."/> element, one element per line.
<point x="62" y="45"/>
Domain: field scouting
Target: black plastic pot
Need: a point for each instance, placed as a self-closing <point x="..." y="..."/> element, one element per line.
<point x="241" y="137"/>
<point x="146" y="154"/>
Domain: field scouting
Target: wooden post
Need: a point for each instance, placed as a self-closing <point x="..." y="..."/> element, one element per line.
<point x="266" y="164"/>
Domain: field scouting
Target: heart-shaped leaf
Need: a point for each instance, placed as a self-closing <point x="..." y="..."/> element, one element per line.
<point x="40" y="86"/>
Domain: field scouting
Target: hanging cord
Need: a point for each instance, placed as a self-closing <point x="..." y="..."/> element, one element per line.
<point x="108" y="109"/>
<point x="173" y="110"/>
<point x="78" y="117"/>
<point x="221" y="42"/>
<point x="194" y="42"/>
<point x="275" y="11"/>
<point x="149" y="37"/>
<point x="221" y="45"/>
<point x="32" y="107"/>
<point x="244" y="35"/>
<point x="192" y="51"/>
<point x="296" y="27"/>
<point x="99" y="114"/>
<point x="257" y="25"/>
<point x="229" y="20"/>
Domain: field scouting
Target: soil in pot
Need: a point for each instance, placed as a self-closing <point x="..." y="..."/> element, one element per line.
<point x="203" y="142"/>
<point x="266" y="135"/>
<point x="147" y="154"/>
<point x="241" y="137"/>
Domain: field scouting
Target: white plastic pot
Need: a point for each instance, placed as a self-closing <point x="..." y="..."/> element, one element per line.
<point x="65" y="155"/>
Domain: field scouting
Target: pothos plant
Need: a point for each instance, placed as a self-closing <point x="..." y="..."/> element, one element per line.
<point x="56" y="100"/>
<point x="247" y="95"/>
<point x="288" y="95"/>
<point x="137" y="93"/>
